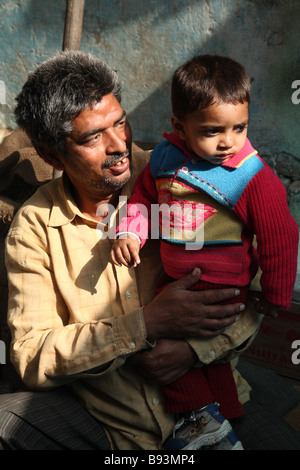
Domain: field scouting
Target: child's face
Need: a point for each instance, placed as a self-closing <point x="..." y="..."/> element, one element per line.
<point x="215" y="133"/>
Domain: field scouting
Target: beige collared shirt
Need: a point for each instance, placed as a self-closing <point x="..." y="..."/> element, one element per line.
<point x="75" y="317"/>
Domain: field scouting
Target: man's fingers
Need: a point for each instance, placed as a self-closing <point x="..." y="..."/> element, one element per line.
<point x="219" y="312"/>
<point x="187" y="281"/>
<point x="206" y="297"/>
<point x="217" y="296"/>
<point x="217" y="323"/>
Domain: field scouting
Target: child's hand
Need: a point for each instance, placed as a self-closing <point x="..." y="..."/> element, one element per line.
<point x="267" y="308"/>
<point x="126" y="251"/>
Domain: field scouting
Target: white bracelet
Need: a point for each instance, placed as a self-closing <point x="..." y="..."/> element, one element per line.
<point x="129" y="233"/>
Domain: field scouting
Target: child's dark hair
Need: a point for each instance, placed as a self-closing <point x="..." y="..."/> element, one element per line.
<point x="207" y="79"/>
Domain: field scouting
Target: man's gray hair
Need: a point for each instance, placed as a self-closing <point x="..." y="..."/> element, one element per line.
<point x="57" y="91"/>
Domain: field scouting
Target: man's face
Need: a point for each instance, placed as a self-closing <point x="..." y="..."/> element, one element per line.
<point x="98" y="150"/>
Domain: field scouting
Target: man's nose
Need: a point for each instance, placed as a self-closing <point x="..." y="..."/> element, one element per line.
<point x="116" y="141"/>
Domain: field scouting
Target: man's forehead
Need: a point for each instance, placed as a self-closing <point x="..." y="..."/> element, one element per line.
<point x="99" y="116"/>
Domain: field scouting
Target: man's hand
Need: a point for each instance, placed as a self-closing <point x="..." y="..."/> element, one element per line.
<point x="178" y="312"/>
<point x="168" y="361"/>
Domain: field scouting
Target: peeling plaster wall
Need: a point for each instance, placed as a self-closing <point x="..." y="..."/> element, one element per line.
<point x="145" y="40"/>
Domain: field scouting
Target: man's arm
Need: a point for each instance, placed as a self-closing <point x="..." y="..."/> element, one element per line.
<point x="177" y="312"/>
<point x="170" y="359"/>
<point x="48" y="348"/>
<point x="223" y="334"/>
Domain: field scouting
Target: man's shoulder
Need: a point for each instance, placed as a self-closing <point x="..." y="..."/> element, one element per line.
<point x="37" y="209"/>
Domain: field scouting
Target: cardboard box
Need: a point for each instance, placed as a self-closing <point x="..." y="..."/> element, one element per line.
<point x="277" y="345"/>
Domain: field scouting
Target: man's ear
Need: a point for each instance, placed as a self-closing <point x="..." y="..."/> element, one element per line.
<point x="178" y="127"/>
<point x="50" y="157"/>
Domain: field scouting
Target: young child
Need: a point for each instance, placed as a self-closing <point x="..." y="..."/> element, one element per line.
<point x="208" y="162"/>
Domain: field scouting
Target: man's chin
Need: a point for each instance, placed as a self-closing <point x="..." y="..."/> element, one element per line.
<point x="117" y="182"/>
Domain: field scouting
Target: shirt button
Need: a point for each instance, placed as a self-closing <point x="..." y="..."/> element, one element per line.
<point x="155" y="401"/>
<point x="128" y="294"/>
<point x="212" y="353"/>
<point x="194" y="161"/>
<point x="131" y="345"/>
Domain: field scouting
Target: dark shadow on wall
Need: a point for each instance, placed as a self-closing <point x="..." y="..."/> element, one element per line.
<point x="270" y="54"/>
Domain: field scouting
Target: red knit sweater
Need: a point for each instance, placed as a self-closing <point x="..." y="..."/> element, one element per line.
<point x="263" y="210"/>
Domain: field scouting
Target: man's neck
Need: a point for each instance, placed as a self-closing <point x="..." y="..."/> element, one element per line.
<point x="94" y="207"/>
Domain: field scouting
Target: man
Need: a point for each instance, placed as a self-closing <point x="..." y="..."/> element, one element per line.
<point x="76" y="320"/>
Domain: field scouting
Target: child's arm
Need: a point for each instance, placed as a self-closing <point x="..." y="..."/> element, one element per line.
<point x="125" y="251"/>
<point x="267" y="308"/>
<point x="138" y="218"/>
<point x="264" y="210"/>
<point x="126" y="247"/>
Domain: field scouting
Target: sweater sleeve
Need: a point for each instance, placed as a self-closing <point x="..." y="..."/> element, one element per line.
<point x="139" y="206"/>
<point x="264" y="210"/>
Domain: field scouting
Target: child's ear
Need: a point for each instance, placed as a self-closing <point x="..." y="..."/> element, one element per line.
<point x="178" y="127"/>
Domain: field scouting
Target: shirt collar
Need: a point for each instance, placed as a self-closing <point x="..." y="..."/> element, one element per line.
<point x="64" y="208"/>
<point x="234" y="162"/>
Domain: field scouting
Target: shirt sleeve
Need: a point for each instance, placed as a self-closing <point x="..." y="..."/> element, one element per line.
<point x="49" y="347"/>
<point x="264" y="209"/>
<point x="233" y="342"/>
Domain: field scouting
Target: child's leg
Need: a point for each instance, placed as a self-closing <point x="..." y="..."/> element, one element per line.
<point x="219" y="376"/>
<point x="201" y="422"/>
<point x="189" y="392"/>
<point x="223" y="387"/>
<point x="200" y="387"/>
<point x="195" y="397"/>
<point x="208" y="384"/>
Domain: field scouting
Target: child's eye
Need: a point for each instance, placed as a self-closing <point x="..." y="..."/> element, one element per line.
<point x="241" y="128"/>
<point x="211" y="132"/>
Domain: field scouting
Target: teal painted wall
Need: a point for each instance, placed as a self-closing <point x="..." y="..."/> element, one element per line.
<point x="145" y="40"/>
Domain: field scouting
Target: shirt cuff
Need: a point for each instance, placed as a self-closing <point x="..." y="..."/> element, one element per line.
<point x="235" y="339"/>
<point x="129" y="332"/>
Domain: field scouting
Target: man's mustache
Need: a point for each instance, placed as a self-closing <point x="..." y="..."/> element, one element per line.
<point x="116" y="157"/>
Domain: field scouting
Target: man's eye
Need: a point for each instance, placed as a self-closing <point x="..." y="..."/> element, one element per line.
<point x="93" y="140"/>
<point x="96" y="137"/>
<point x="122" y="124"/>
